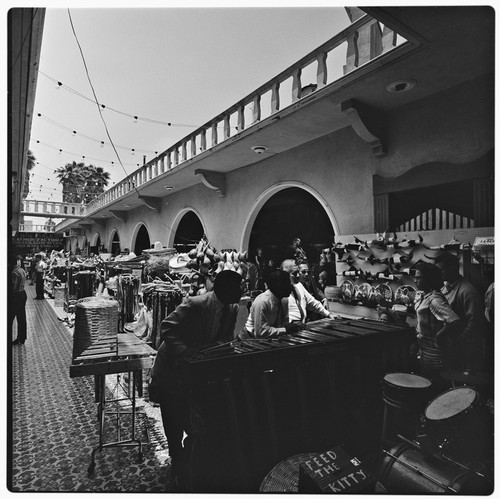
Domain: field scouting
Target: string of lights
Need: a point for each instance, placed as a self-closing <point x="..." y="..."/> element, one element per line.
<point x="61" y="151"/>
<point x="135" y="117"/>
<point x="102" y="143"/>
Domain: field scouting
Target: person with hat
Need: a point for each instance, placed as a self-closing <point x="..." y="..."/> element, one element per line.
<point x="199" y="322"/>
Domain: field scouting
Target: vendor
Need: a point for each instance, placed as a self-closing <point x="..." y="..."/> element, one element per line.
<point x="197" y="323"/>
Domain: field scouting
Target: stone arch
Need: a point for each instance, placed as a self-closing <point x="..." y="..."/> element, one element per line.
<point x="113" y="237"/>
<point x="177" y="220"/>
<point x="136" y="233"/>
<point x="271" y="191"/>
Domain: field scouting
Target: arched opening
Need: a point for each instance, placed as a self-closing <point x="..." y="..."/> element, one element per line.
<point x="96" y="247"/>
<point x="142" y="240"/>
<point x="292" y="212"/>
<point x="115" y="244"/>
<point x="189" y="231"/>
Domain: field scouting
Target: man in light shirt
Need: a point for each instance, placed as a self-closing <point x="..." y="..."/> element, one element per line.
<point x="300" y="300"/>
<point x="269" y="314"/>
<point x="40" y="267"/>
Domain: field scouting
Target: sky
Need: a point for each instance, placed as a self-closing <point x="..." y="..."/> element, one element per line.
<point x="174" y="65"/>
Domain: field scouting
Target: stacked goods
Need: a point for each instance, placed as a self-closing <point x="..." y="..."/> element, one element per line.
<point x="232" y="260"/>
<point x="205" y="257"/>
<point x="95" y="319"/>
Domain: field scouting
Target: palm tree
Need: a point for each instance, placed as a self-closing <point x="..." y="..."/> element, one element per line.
<point x="82" y="183"/>
<point x="71" y="177"/>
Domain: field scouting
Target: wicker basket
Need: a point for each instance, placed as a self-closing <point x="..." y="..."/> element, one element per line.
<point x="95" y="318"/>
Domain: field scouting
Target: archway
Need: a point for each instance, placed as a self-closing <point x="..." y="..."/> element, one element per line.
<point x="142" y="240"/>
<point x="115" y="246"/>
<point x="189" y="231"/>
<point x="96" y="246"/>
<point x="285" y="214"/>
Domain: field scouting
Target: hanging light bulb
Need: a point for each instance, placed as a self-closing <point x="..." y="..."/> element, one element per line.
<point x="133" y="152"/>
<point x="102" y="143"/>
<point x="59" y="85"/>
<point x="135" y="119"/>
<point x="60" y="151"/>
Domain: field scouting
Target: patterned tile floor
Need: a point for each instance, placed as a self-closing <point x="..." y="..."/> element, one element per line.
<point x="53" y="420"/>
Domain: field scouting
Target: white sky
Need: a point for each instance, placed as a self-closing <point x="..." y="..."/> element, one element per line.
<point x="177" y="65"/>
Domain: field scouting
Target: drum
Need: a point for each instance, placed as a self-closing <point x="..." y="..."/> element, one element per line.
<point x="405" y="470"/>
<point x="405" y="397"/>
<point x="460" y="425"/>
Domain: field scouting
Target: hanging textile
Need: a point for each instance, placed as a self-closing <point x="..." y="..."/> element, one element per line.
<point x="128" y="296"/>
<point x="161" y="300"/>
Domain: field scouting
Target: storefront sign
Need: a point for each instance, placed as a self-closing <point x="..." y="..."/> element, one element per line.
<point x="24" y="243"/>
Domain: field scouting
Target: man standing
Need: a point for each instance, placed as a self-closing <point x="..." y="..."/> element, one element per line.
<point x="301" y="301"/>
<point x="197" y="323"/>
<point x="17" y="305"/>
<point x="40" y="267"/>
<point x="466" y="303"/>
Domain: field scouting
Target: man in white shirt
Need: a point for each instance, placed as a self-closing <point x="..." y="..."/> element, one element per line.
<point x="300" y="300"/>
<point x="269" y="314"/>
<point x="40" y="267"/>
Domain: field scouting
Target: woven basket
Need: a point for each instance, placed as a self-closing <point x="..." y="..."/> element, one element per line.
<point x="95" y="318"/>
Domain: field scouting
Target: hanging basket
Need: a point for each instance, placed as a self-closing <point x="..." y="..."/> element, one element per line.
<point x="96" y="319"/>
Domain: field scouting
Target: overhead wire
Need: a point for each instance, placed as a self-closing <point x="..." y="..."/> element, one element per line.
<point x="135" y="117"/>
<point x="74" y="133"/>
<point x="104" y="121"/>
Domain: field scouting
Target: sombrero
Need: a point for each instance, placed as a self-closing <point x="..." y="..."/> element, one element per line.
<point x="179" y="261"/>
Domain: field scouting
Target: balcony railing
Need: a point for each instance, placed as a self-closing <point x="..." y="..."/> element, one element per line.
<point x="36" y="228"/>
<point x="362" y="42"/>
<point x="53" y="209"/>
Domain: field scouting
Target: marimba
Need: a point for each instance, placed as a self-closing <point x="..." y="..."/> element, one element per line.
<point x="257" y="401"/>
<point x="114" y="354"/>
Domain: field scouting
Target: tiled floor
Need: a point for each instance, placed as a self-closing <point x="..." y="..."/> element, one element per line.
<point x="53" y="421"/>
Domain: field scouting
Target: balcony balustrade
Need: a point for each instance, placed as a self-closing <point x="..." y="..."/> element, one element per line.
<point x="360" y="43"/>
<point x="36" y="228"/>
<point x="53" y="209"/>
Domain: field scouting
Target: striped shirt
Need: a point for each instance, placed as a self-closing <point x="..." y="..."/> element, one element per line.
<point x="18" y="279"/>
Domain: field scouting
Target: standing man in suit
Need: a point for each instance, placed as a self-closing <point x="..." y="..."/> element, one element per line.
<point x="197" y="323"/>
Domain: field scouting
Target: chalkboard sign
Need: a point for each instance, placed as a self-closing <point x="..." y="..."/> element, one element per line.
<point x="335" y="472"/>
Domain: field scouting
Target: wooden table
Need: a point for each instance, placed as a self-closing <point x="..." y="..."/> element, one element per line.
<point x="124" y="353"/>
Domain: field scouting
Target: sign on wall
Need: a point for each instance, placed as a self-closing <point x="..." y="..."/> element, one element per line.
<point x="32" y="242"/>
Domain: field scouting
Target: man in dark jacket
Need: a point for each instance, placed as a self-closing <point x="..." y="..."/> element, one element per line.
<point x="197" y="323"/>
